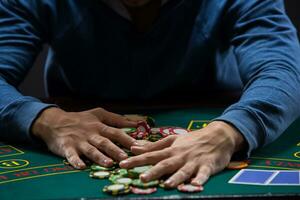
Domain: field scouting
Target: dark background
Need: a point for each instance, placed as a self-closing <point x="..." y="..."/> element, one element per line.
<point x="33" y="84"/>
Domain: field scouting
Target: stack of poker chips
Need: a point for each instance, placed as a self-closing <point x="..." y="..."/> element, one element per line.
<point x="125" y="181"/>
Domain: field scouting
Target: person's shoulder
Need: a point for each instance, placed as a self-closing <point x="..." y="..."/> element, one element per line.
<point x="45" y="5"/>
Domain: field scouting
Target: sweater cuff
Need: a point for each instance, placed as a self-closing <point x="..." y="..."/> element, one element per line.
<point x="24" y="118"/>
<point x="247" y="125"/>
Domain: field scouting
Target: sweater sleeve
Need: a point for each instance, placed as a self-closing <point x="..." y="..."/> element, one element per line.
<point x="267" y="50"/>
<point x="20" y="42"/>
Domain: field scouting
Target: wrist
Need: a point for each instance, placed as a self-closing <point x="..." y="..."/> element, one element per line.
<point x="236" y="138"/>
<point x="42" y="124"/>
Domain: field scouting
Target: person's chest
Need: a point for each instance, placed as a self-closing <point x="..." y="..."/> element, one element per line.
<point x="105" y="46"/>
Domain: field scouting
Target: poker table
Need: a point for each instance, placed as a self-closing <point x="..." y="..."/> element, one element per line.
<point x="35" y="173"/>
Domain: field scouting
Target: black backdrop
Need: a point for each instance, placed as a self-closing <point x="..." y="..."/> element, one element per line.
<point x="33" y="84"/>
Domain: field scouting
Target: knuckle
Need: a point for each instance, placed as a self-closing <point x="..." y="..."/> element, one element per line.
<point x="90" y="151"/>
<point x="187" y="173"/>
<point x="104" y="142"/>
<point x="100" y="110"/>
<point x="168" y="165"/>
<point x="149" y="156"/>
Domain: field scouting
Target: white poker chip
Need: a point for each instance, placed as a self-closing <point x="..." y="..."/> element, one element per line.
<point x="189" y="188"/>
<point x="125" y="181"/>
<point x="100" y="174"/>
<point x="116" y="187"/>
<point x="180" y="131"/>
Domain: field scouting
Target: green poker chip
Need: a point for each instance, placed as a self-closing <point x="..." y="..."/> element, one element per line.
<point x="99" y="174"/>
<point x="121" y="172"/>
<point x="95" y="167"/>
<point x="116" y="189"/>
<point x="138" y="183"/>
<point x="150" y="121"/>
<point x="123" y="180"/>
<point x="128" y="130"/>
<point x="113" y="178"/>
<point x="135" y="172"/>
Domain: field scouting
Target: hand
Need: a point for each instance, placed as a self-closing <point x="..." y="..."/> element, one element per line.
<point x="195" y="156"/>
<point x="88" y="133"/>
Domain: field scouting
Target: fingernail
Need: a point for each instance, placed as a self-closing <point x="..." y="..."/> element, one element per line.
<point x="107" y="162"/>
<point x="136" y="144"/>
<point x="144" y="177"/>
<point x="169" y="182"/>
<point x="124" y="163"/>
<point x="123" y="156"/>
<point x="196" y="182"/>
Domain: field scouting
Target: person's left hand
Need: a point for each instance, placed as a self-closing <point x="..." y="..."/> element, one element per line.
<point x="196" y="156"/>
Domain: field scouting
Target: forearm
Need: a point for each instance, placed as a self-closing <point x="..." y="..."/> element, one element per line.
<point x="268" y="56"/>
<point x="17" y="113"/>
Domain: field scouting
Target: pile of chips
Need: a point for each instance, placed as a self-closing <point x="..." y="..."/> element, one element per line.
<point x="125" y="181"/>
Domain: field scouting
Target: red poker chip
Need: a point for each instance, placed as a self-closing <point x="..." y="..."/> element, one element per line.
<point x="133" y="135"/>
<point x="178" y="131"/>
<point x="189" y="188"/>
<point x="141" y="135"/>
<point x="143" y="127"/>
<point x="165" y="131"/>
<point x="143" y="190"/>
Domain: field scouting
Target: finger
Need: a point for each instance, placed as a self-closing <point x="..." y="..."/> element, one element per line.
<point x="164" y="167"/>
<point x="150" y="158"/>
<point x="117" y="135"/>
<point x="155" y="146"/>
<point x="113" y="119"/>
<point x="73" y="158"/>
<point x="95" y="155"/>
<point x="182" y="175"/>
<point x="105" y="145"/>
<point x="202" y="176"/>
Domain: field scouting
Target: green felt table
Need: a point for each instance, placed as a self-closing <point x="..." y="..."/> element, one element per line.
<point x="27" y="173"/>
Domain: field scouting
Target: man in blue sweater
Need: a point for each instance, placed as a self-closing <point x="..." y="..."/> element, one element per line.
<point x="114" y="49"/>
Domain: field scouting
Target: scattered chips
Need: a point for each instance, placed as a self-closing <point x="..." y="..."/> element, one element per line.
<point x="129" y="130"/>
<point x="135" y="172"/>
<point x="96" y="167"/>
<point x="135" y="190"/>
<point x="138" y="183"/>
<point x="125" y="181"/>
<point x="237" y="165"/>
<point x="99" y="174"/>
<point x="116" y="189"/>
<point x="189" y="188"/>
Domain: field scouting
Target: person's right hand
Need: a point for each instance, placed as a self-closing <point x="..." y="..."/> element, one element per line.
<point x="90" y="133"/>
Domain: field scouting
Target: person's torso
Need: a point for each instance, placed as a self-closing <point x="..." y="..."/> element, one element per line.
<point x="96" y="52"/>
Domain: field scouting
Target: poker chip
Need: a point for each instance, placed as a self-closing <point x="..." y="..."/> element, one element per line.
<point x="143" y="127"/>
<point x="189" y="188"/>
<point x="141" y="135"/>
<point x="237" y="165"/>
<point x="99" y="174"/>
<point x="154" y="130"/>
<point x="138" y="183"/>
<point x="135" y="172"/>
<point x="165" y="131"/>
<point x="150" y="121"/>
<point x="116" y="189"/>
<point x="125" y="181"/>
<point x="128" y="130"/>
<point x="179" y="131"/>
<point x="122" y="172"/>
<point x="144" y="191"/>
<point x="96" y="167"/>
<point x="113" y="178"/>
